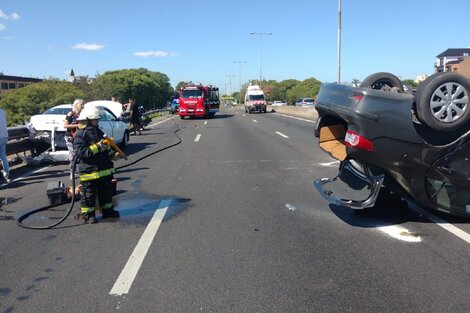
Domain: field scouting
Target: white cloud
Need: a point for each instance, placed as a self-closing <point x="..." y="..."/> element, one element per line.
<point x="156" y="54"/>
<point x="2" y="27"/>
<point x="88" y="46"/>
<point x="13" y="16"/>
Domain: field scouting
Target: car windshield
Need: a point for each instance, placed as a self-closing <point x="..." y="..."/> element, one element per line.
<point x="191" y="94"/>
<point x="256" y="97"/>
<point x="309" y="100"/>
<point x="58" y="111"/>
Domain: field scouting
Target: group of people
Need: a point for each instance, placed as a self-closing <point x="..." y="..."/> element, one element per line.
<point x="85" y="142"/>
<point x="132" y="109"/>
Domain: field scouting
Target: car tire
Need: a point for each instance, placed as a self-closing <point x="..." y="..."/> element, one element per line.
<point x="383" y="81"/>
<point x="182" y="117"/>
<point x="125" y="139"/>
<point x="442" y="102"/>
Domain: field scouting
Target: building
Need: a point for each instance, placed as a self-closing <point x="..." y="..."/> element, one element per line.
<point x="8" y="82"/>
<point x="454" y="60"/>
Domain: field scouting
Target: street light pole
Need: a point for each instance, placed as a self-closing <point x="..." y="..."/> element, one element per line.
<point x="261" y="58"/>
<point x="239" y="76"/>
<point x="339" y="41"/>
<point x="230" y="82"/>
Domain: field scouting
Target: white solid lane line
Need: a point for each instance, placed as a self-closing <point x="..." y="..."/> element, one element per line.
<point x="295" y="117"/>
<point x="128" y="274"/>
<point x="255" y="121"/>
<point x="197" y="138"/>
<point x="282" y="135"/>
<point x="168" y="119"/>
<point x="440" y="222"/>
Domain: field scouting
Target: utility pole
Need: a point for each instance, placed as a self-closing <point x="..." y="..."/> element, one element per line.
<point x="261" y="58"/>
<point x="239" y="77"/>
<point x="339" y="41"/>
<point x="230" y="82"/>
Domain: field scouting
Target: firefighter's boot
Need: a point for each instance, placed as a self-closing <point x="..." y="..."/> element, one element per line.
<point x="89" y="218"/>
<point x="108" y="213"/>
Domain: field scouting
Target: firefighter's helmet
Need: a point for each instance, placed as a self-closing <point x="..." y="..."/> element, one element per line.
<point x="89" y="113"/>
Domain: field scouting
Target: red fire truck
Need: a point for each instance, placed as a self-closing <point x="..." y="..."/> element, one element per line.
<point x="198" y="100"/>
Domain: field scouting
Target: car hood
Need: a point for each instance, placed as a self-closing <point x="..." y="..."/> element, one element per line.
<point x="114" y="106"/>
<point x="47" y="122"/>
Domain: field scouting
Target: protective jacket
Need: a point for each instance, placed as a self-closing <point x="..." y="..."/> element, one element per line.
<point x="94" y="162"/>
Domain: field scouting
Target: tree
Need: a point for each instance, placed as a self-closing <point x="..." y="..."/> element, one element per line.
<point x="20" y="104"/>
<point x="410" y="82"/>
<point x="150" y="89"/>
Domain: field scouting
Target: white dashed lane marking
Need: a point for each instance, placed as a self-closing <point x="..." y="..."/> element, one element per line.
<point x="255" y="121"/>
<point x="282" y="135"/>
<point x="197" y="138"/>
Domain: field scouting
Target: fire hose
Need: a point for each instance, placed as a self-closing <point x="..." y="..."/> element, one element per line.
<point x="108" y="141"/>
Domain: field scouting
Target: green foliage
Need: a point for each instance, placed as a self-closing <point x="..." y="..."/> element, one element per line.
<point x="289" y="90"/>
<point x="179" y="85"/>
<point x="150" y="89"/>
<point x="20" y="104"/>
<point x="410" y="83"/>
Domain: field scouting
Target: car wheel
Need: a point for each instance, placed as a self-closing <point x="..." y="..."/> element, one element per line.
<point x="442" y="101"/>
<point x="125" y="139"/>
<point x="383" y="81"/>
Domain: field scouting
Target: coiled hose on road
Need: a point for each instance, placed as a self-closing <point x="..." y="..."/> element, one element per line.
<point x="74" y="164"/>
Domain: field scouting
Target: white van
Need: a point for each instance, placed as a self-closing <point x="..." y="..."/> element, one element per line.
<point x="255" y="99"/>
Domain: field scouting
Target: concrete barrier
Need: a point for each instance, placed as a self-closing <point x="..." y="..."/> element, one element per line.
<point x="303" y="112"/>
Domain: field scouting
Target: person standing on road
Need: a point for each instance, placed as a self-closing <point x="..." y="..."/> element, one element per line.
<point x="96" y="166"/>
<point x="3" y="145"/>
<point x="71" y="125"/>
<point x="135" y="116"/>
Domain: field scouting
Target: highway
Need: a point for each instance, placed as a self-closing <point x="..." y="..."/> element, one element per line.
<point x="228" y="220"/>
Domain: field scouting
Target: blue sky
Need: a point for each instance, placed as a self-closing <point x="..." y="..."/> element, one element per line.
<point x="200" y="40"/>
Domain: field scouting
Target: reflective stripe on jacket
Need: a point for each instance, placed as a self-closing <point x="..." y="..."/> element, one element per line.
<point x="96" y="175"/>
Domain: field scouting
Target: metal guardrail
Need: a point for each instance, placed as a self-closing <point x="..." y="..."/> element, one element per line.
<point x="19" y="140"/>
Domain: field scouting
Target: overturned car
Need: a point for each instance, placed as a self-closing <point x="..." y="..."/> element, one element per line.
<point x="392" y="142"/>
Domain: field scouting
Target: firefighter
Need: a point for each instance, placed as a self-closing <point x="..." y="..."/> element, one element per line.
<point x="95" y="166"/>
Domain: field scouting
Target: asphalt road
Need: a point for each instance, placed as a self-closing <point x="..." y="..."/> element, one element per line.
<point x="227" y="220"/>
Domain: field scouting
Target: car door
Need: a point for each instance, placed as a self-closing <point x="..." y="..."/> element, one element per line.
<point x="448" y="179"/>
<point x="105" y="122"/>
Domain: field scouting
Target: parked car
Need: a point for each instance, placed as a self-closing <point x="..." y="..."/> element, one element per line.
<point x="279" y="103"/>
<point x="396" y="144"/>
<point x="305" y="102"/>
<point x="52" y="120"/>
<point x="175" y="106"/>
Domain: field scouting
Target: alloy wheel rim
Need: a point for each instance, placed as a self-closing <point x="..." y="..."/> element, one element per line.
<point x="449" y="102"/>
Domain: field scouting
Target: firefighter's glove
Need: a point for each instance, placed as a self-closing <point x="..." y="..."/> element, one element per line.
<point x="102" y="146"/>
<point x="116" y="156"/>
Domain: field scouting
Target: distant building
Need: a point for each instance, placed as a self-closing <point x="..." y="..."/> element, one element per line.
<point x="454" y="60"/>
<point x="8" y="83"/>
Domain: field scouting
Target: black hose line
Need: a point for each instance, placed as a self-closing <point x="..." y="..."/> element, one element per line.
<point x="74" y="165"/>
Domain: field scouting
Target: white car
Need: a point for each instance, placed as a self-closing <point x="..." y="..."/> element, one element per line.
<point x="306" y="102"/>
<point x="111" y="123"/>
<point x="279" y="103"/>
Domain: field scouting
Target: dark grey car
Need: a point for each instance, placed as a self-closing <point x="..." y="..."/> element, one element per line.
<point x="392" y="142"/>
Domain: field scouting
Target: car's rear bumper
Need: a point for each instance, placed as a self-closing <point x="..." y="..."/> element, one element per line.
<point x="350" y="188"/>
